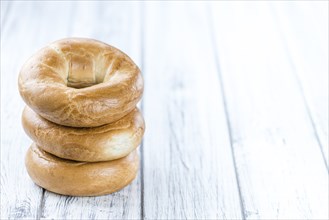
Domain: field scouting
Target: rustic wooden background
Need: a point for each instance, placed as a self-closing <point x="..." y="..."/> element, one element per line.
<point x="235" y="103"/>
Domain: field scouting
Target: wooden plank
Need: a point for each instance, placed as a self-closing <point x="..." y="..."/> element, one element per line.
<point x="304" y="27"/>
<point x="188" y="165"/>
<point x="279" y="162"/>
<point x="20" y="198"/>
<point x="5" y="8"/>
<point x="117" y="24"/>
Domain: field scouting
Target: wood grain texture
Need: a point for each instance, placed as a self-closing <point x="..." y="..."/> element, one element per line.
<point x="235" y="104"/>
<point x="188" y="165"/>
<point x="304" y="29"/>
<point x="20" y="198"/>
<point x="279" y="162"/>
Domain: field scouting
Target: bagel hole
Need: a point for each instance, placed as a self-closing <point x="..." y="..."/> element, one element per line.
<point x="83" y="71"/>
<point x="80" y="72"/>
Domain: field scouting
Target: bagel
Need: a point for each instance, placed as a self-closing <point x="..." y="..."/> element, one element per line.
<point x="107" y="142"/>
<point x="80" y="82"/>
<point x="73" y="178"/>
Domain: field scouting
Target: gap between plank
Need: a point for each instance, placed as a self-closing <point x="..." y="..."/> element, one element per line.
<point x="142" y="104"/>
<point x="228" y="123"/>
<point x="299" y="83"/>
<point x="42" y="204"/>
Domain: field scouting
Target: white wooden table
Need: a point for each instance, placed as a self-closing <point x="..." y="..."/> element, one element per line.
<point x="235" y="103"/>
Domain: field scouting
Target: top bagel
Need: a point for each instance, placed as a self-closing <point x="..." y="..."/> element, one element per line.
<point x="80" y="83"/>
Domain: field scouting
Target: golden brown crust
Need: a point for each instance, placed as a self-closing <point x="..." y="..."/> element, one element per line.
<point x="80" y="178"/>
<point x="80" y="83"/>
<point x="107" y="142"/>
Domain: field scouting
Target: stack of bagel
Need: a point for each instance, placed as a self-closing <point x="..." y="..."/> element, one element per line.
<point x="81" y="114"/>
